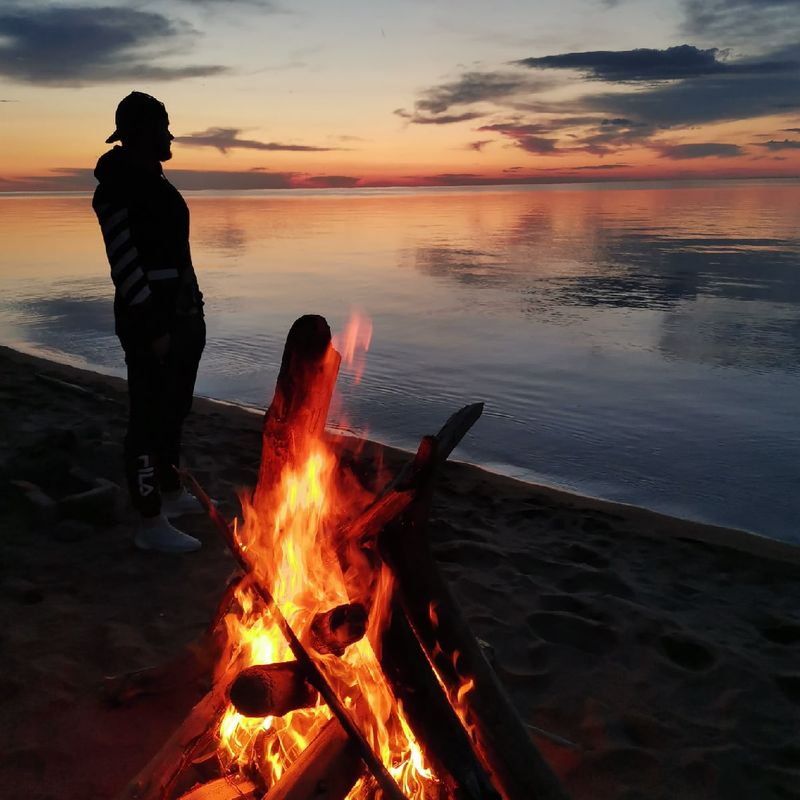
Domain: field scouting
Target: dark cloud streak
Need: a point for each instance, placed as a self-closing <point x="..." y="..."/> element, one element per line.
<point x="80" y="45"/>
<point x="699" y="150"/>
<point x="786" y="144"/>
<point x="647" y="64"/>
<point x="442" y="119"/>
<point x="225" y="139"/>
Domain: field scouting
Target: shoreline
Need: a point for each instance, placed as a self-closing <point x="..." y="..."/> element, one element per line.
<point x="666" y="651"/>
<point x="738" y="539"/>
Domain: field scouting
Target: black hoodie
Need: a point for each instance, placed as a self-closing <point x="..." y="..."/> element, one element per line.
<point x="145" y="224"/>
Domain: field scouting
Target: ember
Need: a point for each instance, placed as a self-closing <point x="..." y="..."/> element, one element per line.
<point x="344" y="668"/>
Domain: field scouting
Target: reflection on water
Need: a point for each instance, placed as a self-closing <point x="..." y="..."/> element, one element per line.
<point x="641" y="344"/>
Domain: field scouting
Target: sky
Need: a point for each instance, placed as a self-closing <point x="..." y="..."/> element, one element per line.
<point x="339" y="93"/>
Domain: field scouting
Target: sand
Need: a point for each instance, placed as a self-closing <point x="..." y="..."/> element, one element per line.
<point x="667" y="651"/>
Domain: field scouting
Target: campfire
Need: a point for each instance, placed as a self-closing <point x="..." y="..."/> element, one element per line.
<point x="341" y="665"/>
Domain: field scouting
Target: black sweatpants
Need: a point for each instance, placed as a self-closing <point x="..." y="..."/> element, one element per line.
<point x="160" y="397"/>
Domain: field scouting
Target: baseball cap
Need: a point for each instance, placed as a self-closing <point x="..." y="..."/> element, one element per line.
<point x="135" y="109"/>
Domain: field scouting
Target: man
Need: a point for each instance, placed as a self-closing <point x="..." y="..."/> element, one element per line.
<point x="158" y="313"/>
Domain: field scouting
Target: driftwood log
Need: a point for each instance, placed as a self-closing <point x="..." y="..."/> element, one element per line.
<point x="225" y="788"/>
<point x="502" y="740"/>
<point x="271" y="690"/>
<point x="429" y="713"/>
<point x="335" y="630"/>
<point x="299" y="408"/>
<point x="326" y="770"/>
<point x="158" y="778"/>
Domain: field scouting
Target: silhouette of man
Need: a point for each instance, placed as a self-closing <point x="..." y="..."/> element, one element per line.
<point x="158" y="313"/>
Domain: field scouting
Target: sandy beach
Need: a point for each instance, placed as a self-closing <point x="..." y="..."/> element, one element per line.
<point x="666" y="651"/>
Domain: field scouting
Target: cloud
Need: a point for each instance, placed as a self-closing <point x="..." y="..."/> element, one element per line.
<point x="741" y="21"/>
<point x="700" y="150"/>
<point x="470" y="88"/>
<point x="786" y="144"/>
<point x="80" y="45"/>
<point x="711" y="99"/>
<point x="647" y="64"/>
<point x="601" y="166"/>
<point x="602" y="137"/>
<point x="526" y="136"/>
<point x="266" y="5"/>
<point x="443" y="119"/>
<point x="225" y="139"/>
<point x="478" y="145"/>
<point x="792" y="130"/>
<point x="328" y="182"/>
<point x="83" y="180"/>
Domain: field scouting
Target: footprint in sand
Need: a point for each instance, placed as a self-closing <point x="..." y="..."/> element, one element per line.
<point x="597" y="581"/>
<point x="790" y="686"/>
<point x="568" y="603"/>
<point x="686" y="653"/>
<point x="781" y="633"/>
<point x="561" y="627"/>
<point x="580" y="554"/>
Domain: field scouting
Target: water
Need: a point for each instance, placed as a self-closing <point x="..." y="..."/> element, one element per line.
<point x="639" y="343"/>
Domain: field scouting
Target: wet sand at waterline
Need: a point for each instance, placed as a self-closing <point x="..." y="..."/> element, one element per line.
<point x="667" y="651"/>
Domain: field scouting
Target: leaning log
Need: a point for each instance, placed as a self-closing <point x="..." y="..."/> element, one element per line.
<point x="298" y="412"/>
<point x="158" y="778"/>
<point x="326" y="770"/>
<point x="502" y="741"/>
<point x="429" y="713"/>
<point x="225" y="788"/>
<point x="271" y="690"/>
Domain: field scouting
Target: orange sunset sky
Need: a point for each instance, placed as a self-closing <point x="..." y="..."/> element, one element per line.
<point x="336" y="94"/>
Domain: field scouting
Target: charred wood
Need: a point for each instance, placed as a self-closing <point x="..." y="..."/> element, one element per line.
<point x="429" y="713"/>
<point x="335" y="630"/>
<point x="158" y="778"/>
<point x="271" y="690"/>
<point x="312" y="672"/>
<point x="299" y="407"/>
<point x="502" y="740"/>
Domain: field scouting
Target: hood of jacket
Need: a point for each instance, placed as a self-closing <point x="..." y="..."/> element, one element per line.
<point x="116" y="166"/>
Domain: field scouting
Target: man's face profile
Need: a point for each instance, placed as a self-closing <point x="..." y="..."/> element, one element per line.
<point x="152" y="139"/>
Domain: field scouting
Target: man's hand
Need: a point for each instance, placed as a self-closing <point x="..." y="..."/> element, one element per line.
<point x="161" y="347"/>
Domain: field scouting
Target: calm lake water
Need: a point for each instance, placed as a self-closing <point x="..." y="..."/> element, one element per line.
<point x="639" y="343"/>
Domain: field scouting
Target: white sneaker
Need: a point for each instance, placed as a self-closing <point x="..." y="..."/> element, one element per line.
<point x="156" y="533"/>
<point x="180" y="502"/>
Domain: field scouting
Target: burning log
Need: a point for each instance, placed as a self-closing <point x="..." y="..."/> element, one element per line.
<point x="503" y="743"/>
<point x="357" y="540"/>
<point x="312" y="671"/>
<point x="335" y="630"/>
<point x="271" y="690"/>
<point x="225" y="788"/>
<point x="327" y="769"/>
<point x="429" y="713"/>
<point x="299" y="409"/>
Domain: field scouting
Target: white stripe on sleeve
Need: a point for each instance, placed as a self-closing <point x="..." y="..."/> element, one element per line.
<point x="114" y="220"/>
<point x="123" y="237"/>
<point x="141" y="296"/>
<point x="133" y="278"/>
<point x="123" y="262"/>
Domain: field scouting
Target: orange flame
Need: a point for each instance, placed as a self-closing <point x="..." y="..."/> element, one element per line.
<point x="353" y="343"/>
<point x="296" y="557"/>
